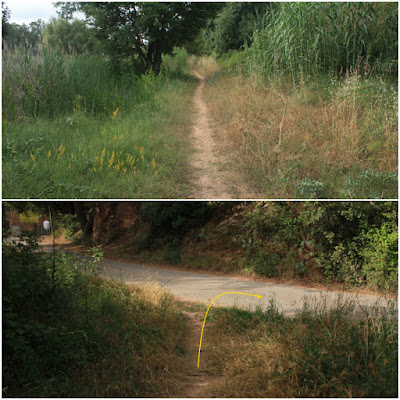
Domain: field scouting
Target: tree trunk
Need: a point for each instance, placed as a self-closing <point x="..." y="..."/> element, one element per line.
<point x="154" y="57"/>
<point x="85" y="222"/>
<point x="157" y="58"/>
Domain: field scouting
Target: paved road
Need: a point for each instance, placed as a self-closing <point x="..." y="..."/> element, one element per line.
<point x="203" y="288"/>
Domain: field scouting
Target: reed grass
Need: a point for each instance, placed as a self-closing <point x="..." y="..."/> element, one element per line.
<point x="309" y="38"/>
<point x="72" y="128"/>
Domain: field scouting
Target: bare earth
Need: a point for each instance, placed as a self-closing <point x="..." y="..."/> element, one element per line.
<point x="210" y="182"/>
<point x="198" y="381"/>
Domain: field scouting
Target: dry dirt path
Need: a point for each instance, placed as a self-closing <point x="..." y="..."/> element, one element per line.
<point x="199" y="382"/>
<point x="209" y="178"/>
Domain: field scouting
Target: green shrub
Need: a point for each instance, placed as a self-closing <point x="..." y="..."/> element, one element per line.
<point x="380" y="254"/>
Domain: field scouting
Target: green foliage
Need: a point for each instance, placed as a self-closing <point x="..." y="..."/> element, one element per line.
<point x="73" y="36"/>
<point x="174" y="66"/>
<point x="26" y="36"/>
<point x="147" y="30"/>
<point x="380" y="253"/>
<point x="234" y="26"/>
<point x="67" y="333"/>
<point x="5" y="16"/>
<point x="170" y="221"/>
<point x="350" y="235"/>
<point x="307" y="38"/>
<point x="370" y="184"/>
<point x="233" y="61"/>
<point x="268" y="233"/>
<point x="310" y="188"/>
<point x="59" y="84"/>
<point x="70" y="224"/>
<point x="353" y="242"/>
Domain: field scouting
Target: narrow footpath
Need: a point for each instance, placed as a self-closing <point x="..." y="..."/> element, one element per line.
<point x="199" y="382"/>
<point x="209" y="178"/>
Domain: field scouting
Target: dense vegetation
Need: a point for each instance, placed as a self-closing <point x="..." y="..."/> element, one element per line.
<point x="319" y="352"/>
<point x="353" y="243"/>
<point x="82" y="131"/>
<point x="68" y="333"/>
<point x="305" y="102"/>
<point x="309" y="109"/>
<point x="350" y="242"/>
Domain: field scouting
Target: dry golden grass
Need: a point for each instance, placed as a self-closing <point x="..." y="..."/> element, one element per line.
<point x="318" y="354"/>
<point x="147" y="362"/>
<point x="205" y="66"/>
<point x="280" y="134"/>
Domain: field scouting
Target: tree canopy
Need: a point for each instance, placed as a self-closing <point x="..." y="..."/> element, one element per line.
<point x="234" y="25"/>
<point x="74" y="35"/>
<point x="143" y="29"/>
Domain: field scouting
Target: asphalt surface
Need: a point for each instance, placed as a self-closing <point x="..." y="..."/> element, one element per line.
<point x="204" y="288"/>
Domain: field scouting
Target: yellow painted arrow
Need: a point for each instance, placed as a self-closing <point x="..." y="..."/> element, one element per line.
<point x="208" y="309"/>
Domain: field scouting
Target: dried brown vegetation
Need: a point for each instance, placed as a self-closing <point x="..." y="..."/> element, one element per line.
<point x="317" y="353"/>
<point x="306" y="140"/>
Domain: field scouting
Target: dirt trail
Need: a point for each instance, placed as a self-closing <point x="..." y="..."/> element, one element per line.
<point x="199" y="382"/>
<point x="209" y="178"/>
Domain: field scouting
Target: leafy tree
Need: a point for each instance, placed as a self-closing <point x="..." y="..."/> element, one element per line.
<point x="234" y="26"/>
<point x="143" y="29"/>
<point x="24" y="35"/>
<point x="5" y="16"/>
<point x="75" y="35"/>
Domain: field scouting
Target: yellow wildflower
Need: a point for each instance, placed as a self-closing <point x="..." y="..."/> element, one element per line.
<point x="49" y="154"/>
<point x="111" y="159"/>
<point x="153" y="163"/>
<point x="61" y="150"/>
<point x="32" y="157"/>
<point x="114" y="114"/>
<point x="102" y="158"/>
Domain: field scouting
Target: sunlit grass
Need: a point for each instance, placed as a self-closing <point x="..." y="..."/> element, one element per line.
<point x="321" y="138"/>
<point x="319" y="352"/>
<point x="135" y="153"/>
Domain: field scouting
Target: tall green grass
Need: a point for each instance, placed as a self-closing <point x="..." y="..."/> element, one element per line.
<point x="41" y="82"/>
<point x="309" y="38"/>
<point x="81" y="130"/>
